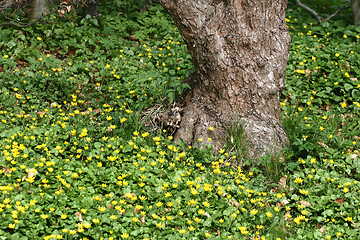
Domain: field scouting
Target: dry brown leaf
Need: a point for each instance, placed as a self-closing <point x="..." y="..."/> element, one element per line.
<point x="136" y="211"/>
<point x="142" y="219"/>
<point x="40" y="113"/>
<point x="353" y="79"/>
<point x="282" y="182"/>
<point x="97" y="110"/>
<point x="284" y="202"/>
<point x="79" y="215"/>
<point x="340" y="200"/>
<point x="322" y="144"/>
<point x="32" y="172"/>
<point x="218" y="231"/>
<point x="6" y="169"/>
<point x="305" y="203"/>
<point x="129" y="195"/>
<point x="234" y="203"/>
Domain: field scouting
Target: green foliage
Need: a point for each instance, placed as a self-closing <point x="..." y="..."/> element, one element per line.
<point x="76" y="162"/>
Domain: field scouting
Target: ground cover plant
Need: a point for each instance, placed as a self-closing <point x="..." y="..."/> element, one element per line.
<point x="79" y="161"/>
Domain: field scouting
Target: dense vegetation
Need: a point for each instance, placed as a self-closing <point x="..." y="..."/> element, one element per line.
<point x="79" y="160"/>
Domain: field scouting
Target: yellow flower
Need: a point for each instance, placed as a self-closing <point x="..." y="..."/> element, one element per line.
<point x="87" y="225"/>
<point x="298" y="180"/>
<point x="269" y="214"/>
<point x="182" y="231"/>
<point x="191" y="228"/>
<point x="254" y="212"/>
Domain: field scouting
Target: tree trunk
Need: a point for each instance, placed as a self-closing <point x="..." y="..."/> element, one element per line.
<point x="39" y="8"/>
<point x="355" y="6"/>
<point x="90" y="8"/>
<point x="240" y="49"/>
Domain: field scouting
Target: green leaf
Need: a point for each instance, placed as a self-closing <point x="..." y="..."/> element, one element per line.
<point x="97" y="145"/>
<point x="171" y="96"/>
<point x="348" y="87"/>
<point x="326" y="24"/>
<point x="207" y="222"/>
<point x="355" y="93"/>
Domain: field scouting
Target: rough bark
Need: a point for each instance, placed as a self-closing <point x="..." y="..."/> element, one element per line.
<point x="39" y="8"/>
<point x="355" y="6"/>
<point x="90" y="8"/>
<point x="240" y="51"/>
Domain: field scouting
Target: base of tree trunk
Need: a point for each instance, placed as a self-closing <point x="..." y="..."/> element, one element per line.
<point x="201" y="125"/>
<point x="90" y="8"/>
